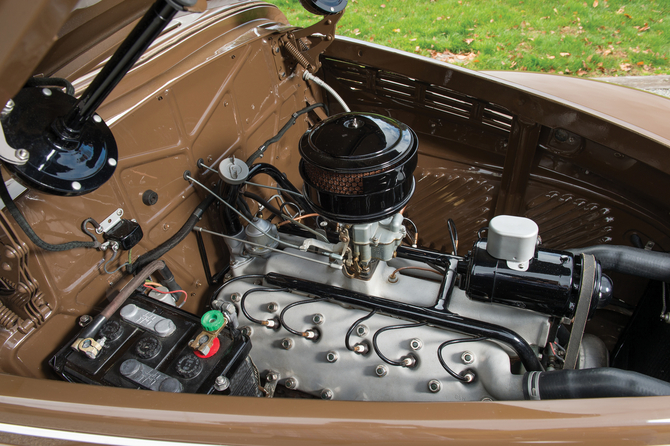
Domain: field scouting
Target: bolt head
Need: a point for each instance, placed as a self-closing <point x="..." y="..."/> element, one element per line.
<point x="291" y="383"/>
<point x="22" y="154"/>
<point x="381" y="370"/>
<point x="327" y="394"/>
<point x="46" y="92"/>
<point x="76" y="185"/>
<point x="97" y="118"/>
<point x="286" y="343"/>
<point x="273" y="307"/>
<point x="221" y="383"/>
<point x="235" y="297"/>
<point x="362" y="330"/>
<point x="332" y="356"/>
<point x="467" y="357"/>
<point x="318" y="319"/>
<point x="415" y="344"/>
<point x="85" y="320"/>
<point x="247" y="331"/>
<point x="272" y="377"/>
<point x="434" y="385"/>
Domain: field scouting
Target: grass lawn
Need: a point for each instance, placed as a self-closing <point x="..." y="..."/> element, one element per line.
<point x="592" y="38"/>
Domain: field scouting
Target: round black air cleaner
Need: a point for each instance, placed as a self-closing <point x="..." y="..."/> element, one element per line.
<point x="357" y="167"/>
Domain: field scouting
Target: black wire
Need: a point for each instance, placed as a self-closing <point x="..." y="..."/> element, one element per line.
<point x="458" y="376"/>
<point x="437" y="268"/>
<point x="254" y="156"/>
<point x="235" y="279"/>
<point x="257" y="290"/>
<point x="266" y="204"/>
<point x="453" y="235"/>
<point x="25" y="226"/>
<point x="295" y="304"/>
<point x="244" y="207"/>
<point x="353" y="327"/>
<point x="391" y="327"/>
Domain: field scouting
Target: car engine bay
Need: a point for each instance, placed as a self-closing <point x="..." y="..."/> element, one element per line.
<point x="314" y="252"/>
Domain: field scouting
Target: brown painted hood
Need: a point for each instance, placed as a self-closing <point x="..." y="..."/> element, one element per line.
<point x="63" y="38"/>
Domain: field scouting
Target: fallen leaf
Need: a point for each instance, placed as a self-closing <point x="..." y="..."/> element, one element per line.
<point x="556" y="10"/>
<point x="595" y="3"/>
<point x="382" y="6"/>
<point x="621" y="10"/>
<point x="417" y="49"/>
<point x="397" y="30"/>
<point x="469" y="41"/>
<point x="628" y="15"/>
<point x="625" y="66"/>
<point x="644" y="28"/>
<point x="513" y="64"/>
<point x="550" y="57"/>
<point x="564" y="54"/>
<point x="639" y="64"/>
<point x="357" y="31"/>
<point x="412" y="40"/>
<point x="581" y="72"/>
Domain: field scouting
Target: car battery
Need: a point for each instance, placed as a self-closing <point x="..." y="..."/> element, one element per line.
<point x="145" y="345"/>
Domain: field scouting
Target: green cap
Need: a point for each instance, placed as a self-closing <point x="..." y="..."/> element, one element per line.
<point x="212" y="320"/>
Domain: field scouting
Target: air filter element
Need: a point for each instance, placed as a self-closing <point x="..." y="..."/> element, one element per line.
<point x="357" y="167"/>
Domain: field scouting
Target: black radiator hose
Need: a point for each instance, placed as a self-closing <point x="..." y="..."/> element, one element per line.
<point x="634" y="261"/>
<point x="605" y="382"/>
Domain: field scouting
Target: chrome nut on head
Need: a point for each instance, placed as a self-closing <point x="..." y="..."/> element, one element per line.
<point x="434" y="385"/>
<point x="362" y="330"/>
<point x="467" y="357"/>
<point x="332" y="356"/>
<point x="381" y="370"/>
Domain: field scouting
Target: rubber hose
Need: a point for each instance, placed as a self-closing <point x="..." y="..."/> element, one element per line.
<point x="25" y="227"/>
<point x="603" y="382"/>
<point x="282" y="181"/>
<point x="173" y="241"/>
<point x="634" y="261"/>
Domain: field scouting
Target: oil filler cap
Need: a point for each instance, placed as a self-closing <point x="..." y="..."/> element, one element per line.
<point x="513" y="239"/>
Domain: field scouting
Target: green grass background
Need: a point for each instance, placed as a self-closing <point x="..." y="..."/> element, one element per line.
<point x="592" y="38"/>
